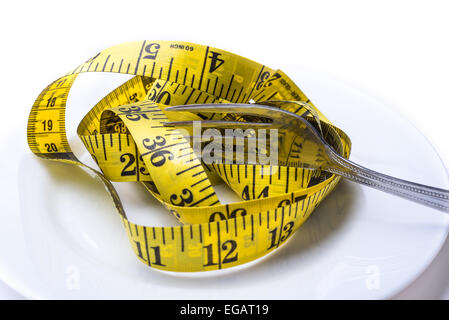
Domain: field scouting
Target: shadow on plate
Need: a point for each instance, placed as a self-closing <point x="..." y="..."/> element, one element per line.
<point x="329" y="217"/>
<point x="325" y="221"/>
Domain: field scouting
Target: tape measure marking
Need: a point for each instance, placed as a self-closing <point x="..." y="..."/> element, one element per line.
<point x="125" y="135"/>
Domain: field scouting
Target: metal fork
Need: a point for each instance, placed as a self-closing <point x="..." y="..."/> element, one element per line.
<point x="329" y="159"/>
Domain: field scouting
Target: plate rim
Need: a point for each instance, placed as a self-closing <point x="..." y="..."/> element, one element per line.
<point x="29" y="293"/>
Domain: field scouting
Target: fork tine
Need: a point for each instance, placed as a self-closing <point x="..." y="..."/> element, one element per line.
<point x="219" y="124"/>
<point x="218" y="136"/>
<point x="236" y="108"/>
<point x="280" y="118"/>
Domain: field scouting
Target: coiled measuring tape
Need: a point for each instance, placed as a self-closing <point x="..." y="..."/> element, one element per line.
<point x="126" y="136"/>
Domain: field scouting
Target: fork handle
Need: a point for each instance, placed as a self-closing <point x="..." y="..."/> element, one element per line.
<point x="429" y="196"/>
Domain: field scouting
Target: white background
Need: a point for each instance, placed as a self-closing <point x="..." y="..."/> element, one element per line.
<point x="396" y="51"/>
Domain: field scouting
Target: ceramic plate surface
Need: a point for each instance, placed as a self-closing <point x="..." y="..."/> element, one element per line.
<point x="60" y="236"/>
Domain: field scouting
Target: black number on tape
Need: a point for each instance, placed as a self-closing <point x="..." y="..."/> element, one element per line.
<point x="185" y="197"/>
<point x="133" y="113"/>
<point x="230" y="245"/>
<point x="287" y="229"/>
<point x="51" y="147"/>
<point x="131" y="160"/>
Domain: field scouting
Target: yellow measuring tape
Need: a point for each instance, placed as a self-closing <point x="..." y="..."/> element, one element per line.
<point x="126" y="136"/>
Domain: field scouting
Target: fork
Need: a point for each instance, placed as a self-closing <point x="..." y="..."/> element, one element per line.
<point x="330" y="160"/>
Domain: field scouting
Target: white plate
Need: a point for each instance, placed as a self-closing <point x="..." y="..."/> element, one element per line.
<point x="60" y="236"/>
